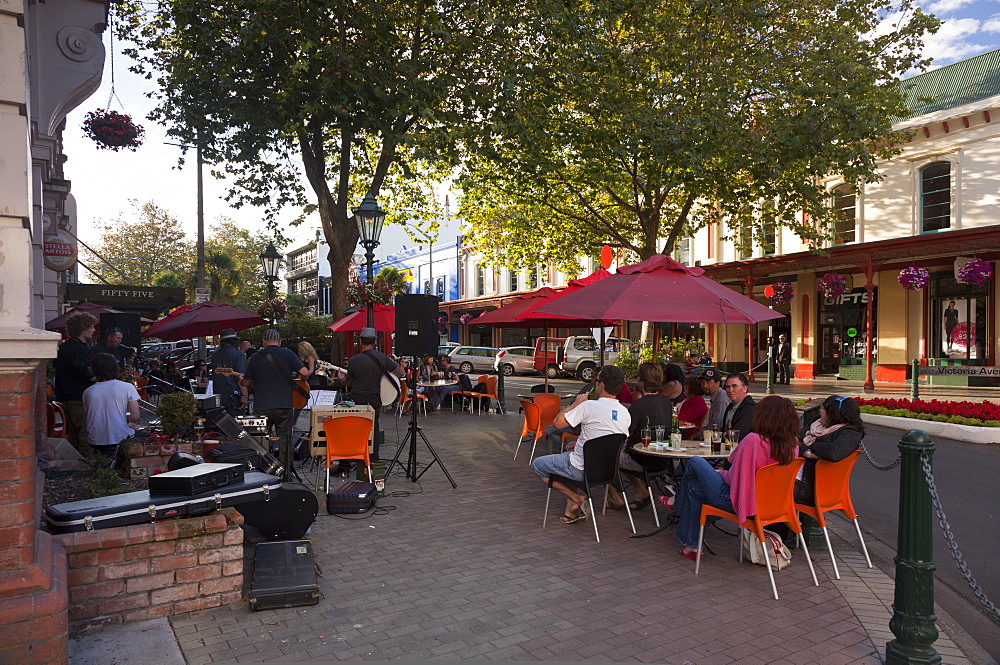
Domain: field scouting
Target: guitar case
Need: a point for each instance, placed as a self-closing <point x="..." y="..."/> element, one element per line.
<point x="143" y="508"/>
<point x="285" y="515"/>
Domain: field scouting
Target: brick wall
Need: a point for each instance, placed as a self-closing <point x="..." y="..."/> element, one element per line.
<point x="147" y="459"/>
<point x="145" y="571"/>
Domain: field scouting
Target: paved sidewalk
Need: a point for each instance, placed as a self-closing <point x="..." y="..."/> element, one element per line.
<point x="469" y="574"/>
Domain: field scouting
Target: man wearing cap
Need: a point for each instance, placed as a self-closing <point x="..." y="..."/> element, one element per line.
<point x="711" y="378"/>
<point x="111" y="343"/>
<point x="271" y="371"/>
<point x="364" y="377"/>
<point x="229" y="357"/>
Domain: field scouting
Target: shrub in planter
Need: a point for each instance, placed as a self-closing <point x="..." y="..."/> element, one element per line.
<point x="991" y="423"/>
<point x="924" y="416"/>
<point x="940" y="418"/>
<point x="176" y="412"/>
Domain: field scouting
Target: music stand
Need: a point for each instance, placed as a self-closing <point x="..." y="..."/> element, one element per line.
<point x="412" y="432"/>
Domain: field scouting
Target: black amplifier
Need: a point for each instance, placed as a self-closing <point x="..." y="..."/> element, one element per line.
<point x="253" y="424"/>
<point x="206" y="402"/>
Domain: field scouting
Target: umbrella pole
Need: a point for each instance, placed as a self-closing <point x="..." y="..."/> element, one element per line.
<point x="545" y="354"/>
<point x="750" y="357"/>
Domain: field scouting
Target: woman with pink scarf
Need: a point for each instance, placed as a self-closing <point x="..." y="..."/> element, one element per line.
<point x="773" y="440"/>
<point x="835" y="435"/>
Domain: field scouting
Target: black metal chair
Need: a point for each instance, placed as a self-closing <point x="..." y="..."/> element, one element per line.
<point x="600" y="467"/>
<point x="540" y="388"/>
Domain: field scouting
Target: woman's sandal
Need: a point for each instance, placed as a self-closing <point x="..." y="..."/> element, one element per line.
<point x="639" y="504"/>
<point x="612" y="506"/>
<point x="566" y="519"/>
<point x="691" y="555"/>
<point x="664" y="500"/>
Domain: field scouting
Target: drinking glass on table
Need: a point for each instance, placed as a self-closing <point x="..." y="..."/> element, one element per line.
<point x="647" y="434"/>
<point x="717" y="441"/>
<point x="660" y="429"/>
<point x="732" y="438"/>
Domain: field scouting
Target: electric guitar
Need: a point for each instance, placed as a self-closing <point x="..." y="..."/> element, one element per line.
<point x="236" y="395"/>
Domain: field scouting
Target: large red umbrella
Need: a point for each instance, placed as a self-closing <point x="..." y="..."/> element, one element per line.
<point x="177" y="311"/>
<point x="58" y="324"/>
<point x="385" y="319"/>
<point x="660" y="289"/>
<point x="207" y="319"/>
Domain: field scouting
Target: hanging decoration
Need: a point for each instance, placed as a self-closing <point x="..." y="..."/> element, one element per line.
<point x="273" y="309"/>
<point x="976" y="272"/>
<point x="359" y="293"/>
<point x="467" y="317"/>
<point x="833" y="285"/>
<point x="442" y="321"/>
<point x="914" y="278"/>
<point x="783" y="292"/>
<point x="112" y="130"/>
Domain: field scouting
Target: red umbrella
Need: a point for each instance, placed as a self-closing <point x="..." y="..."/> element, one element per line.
<point x="660" y="289"/>
<point x="531" y="315"/>
<point x="385" y="319"/>
<point x="58" y="324"/>
<point x="207" y="319"/>
<point x="151" y="330"/>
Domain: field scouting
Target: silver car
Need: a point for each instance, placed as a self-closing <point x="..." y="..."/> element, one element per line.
<point x="473" y="358"/>
<point x="515" y="360"/>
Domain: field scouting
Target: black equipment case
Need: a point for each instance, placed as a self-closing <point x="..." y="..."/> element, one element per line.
<point x="196" y="479"/>
<point x="351" y="498"/>
<point x="284" y="575"/>
<point x="285" y="515"/>
<point x="141" y="507"/>
<point x="234" y="453"/>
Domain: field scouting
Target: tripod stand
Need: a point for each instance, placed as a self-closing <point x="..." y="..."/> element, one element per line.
<point x="412" y="432"/>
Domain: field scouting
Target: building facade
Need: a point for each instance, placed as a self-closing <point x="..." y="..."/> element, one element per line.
<point x="51" y="60"/>
<point x="307" y="273"/>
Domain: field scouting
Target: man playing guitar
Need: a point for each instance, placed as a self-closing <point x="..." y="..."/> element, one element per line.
<point x="364" y="379"/>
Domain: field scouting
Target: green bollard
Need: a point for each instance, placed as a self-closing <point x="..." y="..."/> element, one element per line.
<point x="913" y="619"/>
<point x="915" y="388"/>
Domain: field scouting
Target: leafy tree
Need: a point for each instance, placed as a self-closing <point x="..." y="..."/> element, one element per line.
<point x="357" y="97"/>
<point x="394" y="278"/>
<point x="248" y="286"/>
<point x="133" y="251"/>
<point x="223" y="275"/>
<point x="297" y="305"/>
<point x="635" y="123"/>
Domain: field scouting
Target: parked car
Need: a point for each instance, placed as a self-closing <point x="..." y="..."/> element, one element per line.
<point x="548" y="353"/>
<point x="583" y="352"/>
<point x="446" y="348"/>
<point x="515" y="360"/>
<point x="473" y="358"/>
<point x="159" y="349"/>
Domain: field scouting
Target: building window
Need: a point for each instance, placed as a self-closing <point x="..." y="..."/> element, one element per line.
<point x="682" y="251"/>
<point x="935" y="197"/>
<point x="440" y="286"/>
<point x="959" y="314"/>
<point x="513" y="281"/>
<point x="480" y="280"/>
<point x="845" y="225"/>
<point x="745" y="245"/>
<point x="768" y="237"/>
<point x="427" y="286"/>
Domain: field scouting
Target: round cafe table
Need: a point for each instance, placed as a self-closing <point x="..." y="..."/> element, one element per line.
<point x="436" y="385"/>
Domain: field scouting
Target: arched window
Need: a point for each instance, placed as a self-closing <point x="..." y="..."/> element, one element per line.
<point x="935" y="197"/>
<point x="440" y="286"/>
<point x="845" y="208"/>
<point x="427" y="286"/>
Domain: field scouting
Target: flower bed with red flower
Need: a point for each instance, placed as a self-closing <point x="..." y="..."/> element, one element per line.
<point x="982" y="414"/>
<point x="112" y="130"/>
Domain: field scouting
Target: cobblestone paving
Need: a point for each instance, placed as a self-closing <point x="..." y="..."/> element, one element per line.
<point x="469" y="574"/>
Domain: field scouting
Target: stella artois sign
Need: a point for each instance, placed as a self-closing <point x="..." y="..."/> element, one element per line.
<point x="59" y="252"/>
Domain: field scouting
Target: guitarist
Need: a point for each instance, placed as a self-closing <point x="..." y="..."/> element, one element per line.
<point x="364" y="377"/>
<point x="270" y="370"/>
<point x="228" y="355"/>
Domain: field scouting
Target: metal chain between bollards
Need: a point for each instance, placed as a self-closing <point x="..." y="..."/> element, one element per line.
<point x="880" y="467"/>
<point x="953" y="546"/>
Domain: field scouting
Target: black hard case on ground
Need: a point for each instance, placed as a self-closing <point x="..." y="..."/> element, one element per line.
<point x="142" y="508"/>
<point x="196" y="479"/>
<point x="351" y="498"/>
<point x="234" y="453"/>
<point x="284" y="575"/>
<point x="286" y="515"/>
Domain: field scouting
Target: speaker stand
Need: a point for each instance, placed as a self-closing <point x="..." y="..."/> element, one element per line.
<point x="412" y="432"/>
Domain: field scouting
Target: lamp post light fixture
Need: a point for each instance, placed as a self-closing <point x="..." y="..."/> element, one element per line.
<point x="270" y="259"/>
<point x="369" y="218"/>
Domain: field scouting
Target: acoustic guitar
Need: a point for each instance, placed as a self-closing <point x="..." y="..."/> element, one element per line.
<point x="388" y="386"/>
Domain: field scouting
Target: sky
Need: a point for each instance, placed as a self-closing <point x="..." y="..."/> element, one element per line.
<point x="971" y="27"/>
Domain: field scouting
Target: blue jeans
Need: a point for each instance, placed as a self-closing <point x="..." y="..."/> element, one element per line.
<point x="443" y="392"/>
<point x="700" y="485"/>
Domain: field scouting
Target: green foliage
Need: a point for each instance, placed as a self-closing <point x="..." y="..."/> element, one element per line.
<point x="105" y="482"/>
<point x="678" y="350"/>
<point x="620" y="122"/>
<point x="176" y="412"/>
<point x="924" y="416"/>
<point x="312" y="329"/>
<point x="297" y="305"/>
<point x="628" y="361"/>
<point x="991" y="423"/>
<point x="940" y="418"/>
<point x="901" y="413"/>
<point x="394" y="278"/>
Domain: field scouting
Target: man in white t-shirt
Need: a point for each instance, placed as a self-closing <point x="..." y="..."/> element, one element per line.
<point x="596" y="418"/>
<point x="112" y="406"/>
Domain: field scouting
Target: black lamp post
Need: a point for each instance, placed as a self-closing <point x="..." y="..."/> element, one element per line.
<point x="270" y="259"/>
<point x="369" y="218"/>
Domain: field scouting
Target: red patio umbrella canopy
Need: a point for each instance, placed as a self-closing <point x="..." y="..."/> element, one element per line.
<point x="208" y="318"/>
<point x="506" y="316"/>
<point x="177" y="311"/>
<point x="533" y="317"/>
<point x="660" y="289"/>
<point x="59" y="323"/>
<point x="385" y="319"/>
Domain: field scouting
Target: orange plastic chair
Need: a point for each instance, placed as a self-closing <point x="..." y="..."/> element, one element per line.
<point x="833" y="492"/>
<point x="774" y="487"/>
<point x="479" y="397"/>
<point x="491" y="390"/>
<point x="531" y="425"/>
<point x="549" y="406"/>
<point x="347" y="438"/>
<point x="56" y="426"/>
<point x="404" y="398"/>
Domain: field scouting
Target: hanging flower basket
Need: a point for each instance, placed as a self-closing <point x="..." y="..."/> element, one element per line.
<point x="833" y="285"/>
<point x="360" y="294"/>
<point x="273" y="309"/>
<point x="914" y="278"/>
<point x="783" y="292"/>
<point x="467" y="317"/>
<point x="442" y="320"/>
<point x="112" y="130"/>
<point x="976" y="272"/>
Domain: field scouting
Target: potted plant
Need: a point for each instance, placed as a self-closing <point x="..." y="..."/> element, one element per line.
<point x="111" y="130"/>
<point x="176" y="412"/>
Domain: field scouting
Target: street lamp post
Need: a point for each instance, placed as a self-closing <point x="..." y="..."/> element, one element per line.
<point x="369" y="218"/>
<point x="270" y="260"/>
<point x="769" y="294"/>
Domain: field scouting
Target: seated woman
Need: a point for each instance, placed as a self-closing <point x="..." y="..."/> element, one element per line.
<point x="693" y="409"/>
<point x="773" y="441"/>
<point x="835" y="435"/>
<point x="653" y="408"/>
<point x="198" y="375"/>
<point x="112" y="406"/>
<point x="673" y="382"/>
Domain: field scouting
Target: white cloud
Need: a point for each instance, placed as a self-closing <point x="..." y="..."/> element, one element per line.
<point x="951" y="41"/>
<point x="946" y="6"/>
<point x="992" y="24"/>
